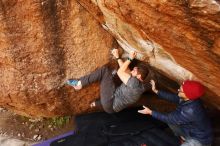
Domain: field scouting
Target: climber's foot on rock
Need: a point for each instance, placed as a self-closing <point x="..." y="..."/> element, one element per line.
<point x="76" y="84"/>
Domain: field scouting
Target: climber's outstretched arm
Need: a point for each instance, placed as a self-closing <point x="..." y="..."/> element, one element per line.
<point x="115" y="53"/>
<point x="123" y="73"/>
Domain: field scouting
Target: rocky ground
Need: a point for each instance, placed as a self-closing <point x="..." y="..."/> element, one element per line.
<point x="17" y="130"/>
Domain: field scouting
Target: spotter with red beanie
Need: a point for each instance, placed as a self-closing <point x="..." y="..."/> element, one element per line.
<point x="189" y="121"/>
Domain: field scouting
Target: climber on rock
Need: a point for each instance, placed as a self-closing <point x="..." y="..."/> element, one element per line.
<point x="115" y="98"/>
<point x="189" y="121"/>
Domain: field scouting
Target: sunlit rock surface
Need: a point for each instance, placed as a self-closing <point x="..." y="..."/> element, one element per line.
<point x="44" y="43"/>
<point x="180" y="38"/>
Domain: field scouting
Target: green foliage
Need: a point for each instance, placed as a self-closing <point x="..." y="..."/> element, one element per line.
<point x="23" y="118"/>
<point x="54" y="122"/>
<point x="60" y="121"/>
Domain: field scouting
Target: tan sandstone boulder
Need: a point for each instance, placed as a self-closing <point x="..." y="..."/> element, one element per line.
<point x="180" y="38"/>
<point x="44" y="43"/>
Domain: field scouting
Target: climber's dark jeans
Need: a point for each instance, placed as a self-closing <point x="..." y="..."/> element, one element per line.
<point x="107" y="87"/>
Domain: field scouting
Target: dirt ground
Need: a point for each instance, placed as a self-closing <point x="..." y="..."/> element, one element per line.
<point x="32" y="130"/>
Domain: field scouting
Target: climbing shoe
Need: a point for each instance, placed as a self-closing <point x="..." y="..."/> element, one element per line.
<point x="72" y="82"/>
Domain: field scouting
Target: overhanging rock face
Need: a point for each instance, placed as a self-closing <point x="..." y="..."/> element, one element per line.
<point x="44" y="43"/>
<point x="180" y="38"/>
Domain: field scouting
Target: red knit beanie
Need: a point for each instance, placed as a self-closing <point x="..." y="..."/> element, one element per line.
<point x="193" y="89"/>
